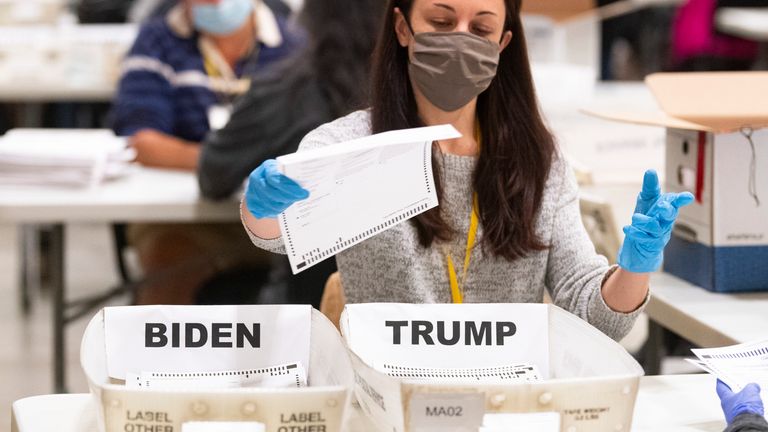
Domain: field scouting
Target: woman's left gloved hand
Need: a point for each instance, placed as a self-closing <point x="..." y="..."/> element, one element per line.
<point x="655" y="215"/>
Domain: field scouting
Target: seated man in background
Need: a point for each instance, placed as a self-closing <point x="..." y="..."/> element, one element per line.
<point x="184" y="67"/>
<point x="743" y="410"/>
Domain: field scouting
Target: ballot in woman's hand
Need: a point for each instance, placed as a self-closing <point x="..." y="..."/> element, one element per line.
<point x="270" y="192"/>
<point x="651" y="228"/>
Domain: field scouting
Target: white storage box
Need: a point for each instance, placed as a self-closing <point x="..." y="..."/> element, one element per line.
<point x="26" y="12"/>
<point x="587" y="378"/>
<point x="173" y="340"/>
<point x="716" y="148"/>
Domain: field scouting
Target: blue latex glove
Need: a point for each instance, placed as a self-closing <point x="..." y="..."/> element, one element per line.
<point x="269" y="192"/>
<point x="655" y="215"/>
<point x="746" y="401"/>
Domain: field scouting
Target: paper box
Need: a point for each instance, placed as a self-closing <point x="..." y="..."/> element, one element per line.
<point x="717" y="148"/>
<point x="588" y="379"/>
<point x="167" y="341"/>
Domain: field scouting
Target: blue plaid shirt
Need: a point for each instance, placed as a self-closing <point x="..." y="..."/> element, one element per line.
<point x="156" y="92"/>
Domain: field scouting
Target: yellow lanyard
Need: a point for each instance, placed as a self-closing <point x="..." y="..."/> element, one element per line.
<point x="210" y="69"/>
<point x="457" y="293"/>
<point x="223" y="81"/>
<point x="457" y="287"/>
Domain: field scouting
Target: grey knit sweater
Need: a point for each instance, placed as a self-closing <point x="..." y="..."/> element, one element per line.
<point x="393" y="267"/>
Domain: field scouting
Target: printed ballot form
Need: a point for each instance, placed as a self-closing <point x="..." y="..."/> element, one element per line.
<point x="736" y="365"/>
<point x="357" y="189"/>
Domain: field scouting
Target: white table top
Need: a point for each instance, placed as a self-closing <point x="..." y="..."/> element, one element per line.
<point x="57" y="91"/>
<point x="705" y="318"/>
<point x="144" y="195"/>
<point x="675" y="403"/>
<point x="748" y="23"/>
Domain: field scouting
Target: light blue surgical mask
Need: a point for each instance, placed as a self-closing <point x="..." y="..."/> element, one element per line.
<point x="222" y="18"/>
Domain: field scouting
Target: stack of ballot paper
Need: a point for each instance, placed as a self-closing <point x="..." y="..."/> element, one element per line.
<point x="736" y="365"/>
<point x="487" y="375"/>
<point x="61" y="157"/>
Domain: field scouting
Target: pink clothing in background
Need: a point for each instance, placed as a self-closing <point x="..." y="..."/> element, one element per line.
<point x="694" y="35"/>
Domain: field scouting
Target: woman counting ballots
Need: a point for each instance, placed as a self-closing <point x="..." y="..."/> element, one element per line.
<point x="508" y="225"/>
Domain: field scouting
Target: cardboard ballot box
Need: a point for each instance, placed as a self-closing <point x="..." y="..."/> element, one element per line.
<point x="190" y="362"/>
<point x="589" y="380"/>
<point x="717" y="148"/>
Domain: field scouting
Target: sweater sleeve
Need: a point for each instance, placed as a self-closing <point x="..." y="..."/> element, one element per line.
<point x="748" y="422"/>
<point x="575" y="272"/>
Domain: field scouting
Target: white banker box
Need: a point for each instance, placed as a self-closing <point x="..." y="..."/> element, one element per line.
<point x="242" y="360"/>
<point x="717" y="148"/>
<point x="587" y="379"/>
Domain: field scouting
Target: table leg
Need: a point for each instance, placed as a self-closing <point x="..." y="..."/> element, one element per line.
<point x="58" y="298"/>
<point x="654" y="348"/>
<point x="29" y="279"/>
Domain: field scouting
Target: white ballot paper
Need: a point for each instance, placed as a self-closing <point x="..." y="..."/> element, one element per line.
<point x="736" y="365"/>
<point x="241" y="426"/>
<point x="283" y="376"/>
<point x="525" y="422"/>
<point x="196" y="339"/>
<point x="357" y="189"/>
<point x="488" y="375"/>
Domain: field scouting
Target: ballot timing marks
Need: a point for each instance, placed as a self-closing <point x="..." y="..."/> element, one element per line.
<point x="451" y="332"/>
<point x="197" y="335"/>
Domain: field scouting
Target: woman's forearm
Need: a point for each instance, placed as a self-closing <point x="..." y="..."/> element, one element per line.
<point x="266" y="229"/>
<point x="625" y="291"/>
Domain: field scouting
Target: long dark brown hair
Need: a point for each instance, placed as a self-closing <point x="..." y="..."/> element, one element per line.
<point x="516" y="152"/>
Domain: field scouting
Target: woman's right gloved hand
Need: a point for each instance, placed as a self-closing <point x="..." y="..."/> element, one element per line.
<point x="270" y="192"/>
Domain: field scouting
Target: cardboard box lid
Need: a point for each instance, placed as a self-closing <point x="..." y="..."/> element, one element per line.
<point x="558" y="10"/>
<point x="715" y="100"/>
<point x="704" y="101"/>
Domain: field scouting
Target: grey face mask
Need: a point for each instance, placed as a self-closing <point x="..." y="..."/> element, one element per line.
<point x="452" y="68"/>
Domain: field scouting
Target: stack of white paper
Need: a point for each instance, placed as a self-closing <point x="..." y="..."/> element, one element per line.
<point x="358" y="189"/>
<point x="736" y="365"/>
<point x="62" y="157"/>
<point x="484" y="375"/>
<point x="285" y="376"/>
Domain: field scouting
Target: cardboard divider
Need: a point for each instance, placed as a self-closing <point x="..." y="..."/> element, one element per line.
<point x="321" y="406"/>
<point x="591" y="380"/>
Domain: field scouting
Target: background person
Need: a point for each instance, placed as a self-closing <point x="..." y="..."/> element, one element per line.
<point x="194" y="60"/>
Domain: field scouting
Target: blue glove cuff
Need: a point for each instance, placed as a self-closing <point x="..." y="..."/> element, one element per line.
<point x="632" y="260"/>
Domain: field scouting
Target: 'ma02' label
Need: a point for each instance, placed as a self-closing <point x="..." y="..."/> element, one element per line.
<point x="453" y="412"/>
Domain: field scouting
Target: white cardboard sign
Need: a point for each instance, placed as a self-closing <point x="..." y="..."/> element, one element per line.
<point x="480" y="335"/>
<point x="204" y="339"/>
